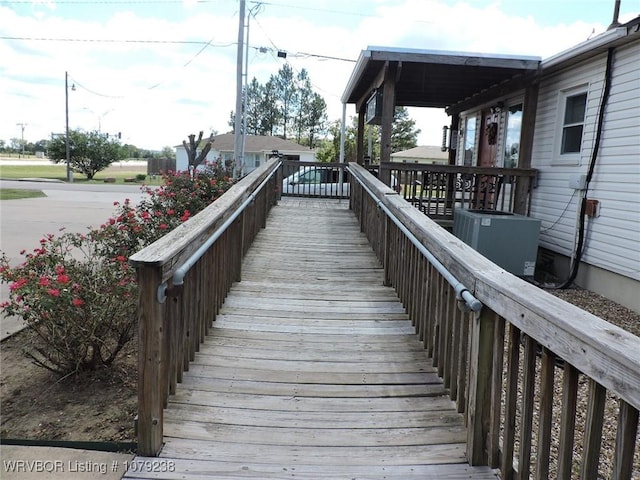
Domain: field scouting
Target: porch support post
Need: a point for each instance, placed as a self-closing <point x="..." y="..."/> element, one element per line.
<point x="360" y="139"/>
<point x="530" y="108"/>
<point x="453" y="138"/>
<point x="388" y="107"/>
<point x="150" y="363"/>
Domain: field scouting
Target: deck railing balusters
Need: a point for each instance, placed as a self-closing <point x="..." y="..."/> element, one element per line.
<point x="492" y="361"/>
<point x="173" y="320"/>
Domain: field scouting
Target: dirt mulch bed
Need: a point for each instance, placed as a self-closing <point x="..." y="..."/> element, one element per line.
<point x="38" y="405"/>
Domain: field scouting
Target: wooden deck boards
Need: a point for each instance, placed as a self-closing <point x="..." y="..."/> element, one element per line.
<point x="311" y="370"/>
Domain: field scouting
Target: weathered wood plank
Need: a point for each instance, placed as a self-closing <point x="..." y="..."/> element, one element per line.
<point x="304" y="339"/>
<point x="345" y="390"/>
<point x="290" y="352"/>
<point x="362" y="378"/>
<point x="312" y="366"/>
<point x="313" y="369"/>
<point x="313" y="455"/>
<point x="246" y="346"/>
<point x="202" y="469"/>
<point x="315" y="437"/>
<point x="179" y="414"/>
<point x="313" y="404"/>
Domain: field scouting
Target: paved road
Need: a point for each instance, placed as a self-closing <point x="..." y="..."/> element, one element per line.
<point x="72" y="206"/>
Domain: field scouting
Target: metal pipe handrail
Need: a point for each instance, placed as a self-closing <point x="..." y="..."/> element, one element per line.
<point x="181" y="272"/>
<point x="461" y="291"/>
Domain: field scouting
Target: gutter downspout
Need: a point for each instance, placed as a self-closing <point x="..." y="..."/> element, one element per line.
<point x="579" y="249"/>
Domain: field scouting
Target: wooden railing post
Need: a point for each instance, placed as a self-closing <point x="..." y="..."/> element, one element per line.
<point x="502" y="408"/>
<point x="386" y="249"/>
<point x="479" y="396"/>
<point x="150" y="363"/>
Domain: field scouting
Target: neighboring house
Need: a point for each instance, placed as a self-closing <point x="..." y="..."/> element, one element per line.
<point x="572" y="115"/>
<point x="424" y="154"/>
<point x="258" y="149"/>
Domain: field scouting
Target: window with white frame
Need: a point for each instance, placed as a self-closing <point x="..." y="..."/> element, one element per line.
<point x="513" y="129"/>
<point x="573" y="125"/>
<point x="574" y="104"/>
<point x="469" y="140"/>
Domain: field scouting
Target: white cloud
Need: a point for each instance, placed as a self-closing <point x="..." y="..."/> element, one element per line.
<point x="158" y="93"/>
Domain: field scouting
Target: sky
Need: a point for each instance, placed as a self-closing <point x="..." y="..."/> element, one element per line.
<point x="158" y="70"/>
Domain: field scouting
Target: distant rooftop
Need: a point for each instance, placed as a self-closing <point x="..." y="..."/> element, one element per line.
<point x="428" y="152"/>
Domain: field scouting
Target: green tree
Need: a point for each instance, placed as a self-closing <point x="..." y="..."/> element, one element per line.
<point x="168" y="152"/>
<point x="404" y="134"/>
<point x="310" y="112"/>
<point x="286" y="106"/>
<point x="270" y="115"/>
<point x="285" y="90"/>
<point x="90" y="152"/>
<point x="317" y="119"/>
<point x="254" y="93"/>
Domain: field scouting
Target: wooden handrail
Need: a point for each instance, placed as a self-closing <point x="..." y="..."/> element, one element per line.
<point x="439" y="168"/>
<point x="170" y="332"/>
<point x="522" y="329"/>
<point x="437" y="190"/>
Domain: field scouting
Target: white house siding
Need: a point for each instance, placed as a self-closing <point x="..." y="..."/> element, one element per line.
<point x="613" y="238"/>
<point x="252" y="160"/>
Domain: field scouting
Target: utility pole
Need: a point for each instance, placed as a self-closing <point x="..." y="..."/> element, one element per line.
<point x="66" y="111"/>
<point x="238" y="137"/>
<point x="21" y="125"/>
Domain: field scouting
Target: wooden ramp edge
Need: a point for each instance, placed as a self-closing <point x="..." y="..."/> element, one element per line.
<point x="312" y="370"/>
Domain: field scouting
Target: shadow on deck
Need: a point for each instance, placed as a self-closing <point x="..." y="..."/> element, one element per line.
<point x="312" y="369"/>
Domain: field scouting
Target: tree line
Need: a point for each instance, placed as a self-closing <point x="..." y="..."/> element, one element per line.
<point x="286" y="106"/>
<point x="17" y="146"/>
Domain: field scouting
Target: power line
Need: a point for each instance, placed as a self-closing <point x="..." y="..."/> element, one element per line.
<point x="76" y="83"/>
<point x="97" y="40"/>
<point x="108" y="2"/>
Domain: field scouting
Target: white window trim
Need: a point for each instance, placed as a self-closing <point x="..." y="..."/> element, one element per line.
<point x="502" y="140"/>
<point x="462" y="138"/>
<point x="568" y="158"/>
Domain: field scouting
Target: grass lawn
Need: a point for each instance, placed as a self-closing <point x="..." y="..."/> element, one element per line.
<point x="59" y="172"/>
<point x="14" y="193"/>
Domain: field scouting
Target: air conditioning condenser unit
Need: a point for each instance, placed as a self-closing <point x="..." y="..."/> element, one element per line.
<point x="507" y="239"/>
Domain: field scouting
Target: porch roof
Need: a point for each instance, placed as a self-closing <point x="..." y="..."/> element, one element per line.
<point x="431" y="78"/>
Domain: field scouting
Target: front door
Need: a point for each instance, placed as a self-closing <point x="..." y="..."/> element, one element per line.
<point x="488" y="145"/>
<point x="485" y="188"/>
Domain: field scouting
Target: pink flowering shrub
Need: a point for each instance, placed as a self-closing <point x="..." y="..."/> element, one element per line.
<point x="81" y="306"/>
<point x="174" y="202"/>
<point x="79" y="294"/>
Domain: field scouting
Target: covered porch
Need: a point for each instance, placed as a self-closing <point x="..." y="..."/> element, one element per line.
<point x="479" y="174"/>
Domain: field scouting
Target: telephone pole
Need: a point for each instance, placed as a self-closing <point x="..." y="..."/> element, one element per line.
<point x="238" y="137"/>
<point x="22" y="126"/>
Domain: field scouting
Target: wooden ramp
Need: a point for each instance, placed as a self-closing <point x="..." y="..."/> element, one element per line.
<point x="311" y="371"/>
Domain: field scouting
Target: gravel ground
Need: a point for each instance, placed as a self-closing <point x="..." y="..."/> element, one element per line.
<point x="602" y="307"/>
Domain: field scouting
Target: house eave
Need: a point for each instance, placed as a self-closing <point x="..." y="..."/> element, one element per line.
<point x="584" y="50"/>
<point x="432" y="78"/>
